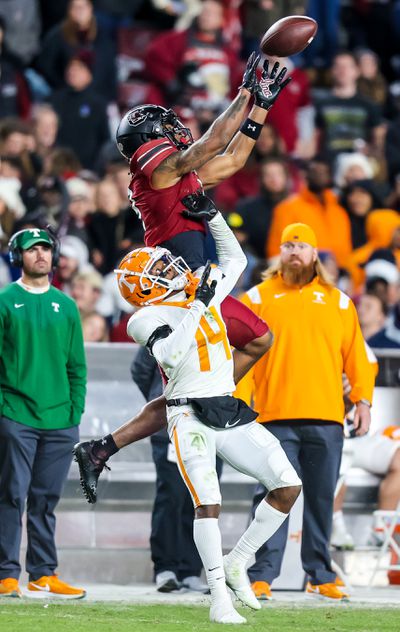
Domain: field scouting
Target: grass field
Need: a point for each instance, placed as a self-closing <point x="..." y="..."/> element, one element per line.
<point x="23" y="616"/>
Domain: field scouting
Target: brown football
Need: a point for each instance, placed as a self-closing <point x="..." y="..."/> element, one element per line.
<point x="288" y="36"/>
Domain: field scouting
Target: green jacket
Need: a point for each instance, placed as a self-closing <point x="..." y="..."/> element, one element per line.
<point x="42" y="358"/>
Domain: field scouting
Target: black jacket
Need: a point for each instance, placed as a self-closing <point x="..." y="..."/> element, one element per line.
<point x="83" y="122"/>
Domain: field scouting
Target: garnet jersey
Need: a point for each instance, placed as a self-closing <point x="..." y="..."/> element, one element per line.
<point x="160" y="209"/>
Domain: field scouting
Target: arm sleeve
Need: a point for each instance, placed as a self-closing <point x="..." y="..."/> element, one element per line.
<point x="231" y="258"/>
<point x="76" y="370"/>
<point x="169" y="351"/>
<point x="358" y="365"/>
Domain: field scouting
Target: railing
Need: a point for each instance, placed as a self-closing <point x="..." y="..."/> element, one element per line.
<point x="113" y="398"/>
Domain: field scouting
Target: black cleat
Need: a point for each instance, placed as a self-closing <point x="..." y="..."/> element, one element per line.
<point x="90" y="468"/>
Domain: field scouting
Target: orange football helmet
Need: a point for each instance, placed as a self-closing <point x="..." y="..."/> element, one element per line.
<point x="140" y="286"/>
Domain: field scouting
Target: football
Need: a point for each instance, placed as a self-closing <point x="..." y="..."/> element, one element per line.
<point x="288" y="36"/>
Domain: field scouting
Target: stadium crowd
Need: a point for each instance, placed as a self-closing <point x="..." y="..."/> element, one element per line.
<point x="328" y="154"/>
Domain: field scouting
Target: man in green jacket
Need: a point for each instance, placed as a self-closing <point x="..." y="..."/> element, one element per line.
<point x="42" y="395"/>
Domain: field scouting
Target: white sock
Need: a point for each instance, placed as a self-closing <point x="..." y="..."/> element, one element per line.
<point x="266" y="521"/>
<point x="207" y="537"/>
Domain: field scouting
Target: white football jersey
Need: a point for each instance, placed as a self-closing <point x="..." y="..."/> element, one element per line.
<point x="206" y="369"/>
<point x="196" y="356"/>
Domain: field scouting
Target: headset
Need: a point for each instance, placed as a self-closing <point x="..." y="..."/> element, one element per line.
<point x="15" y="252"/>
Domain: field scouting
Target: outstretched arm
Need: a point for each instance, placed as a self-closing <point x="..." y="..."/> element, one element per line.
<point x="237" y="152"/>
<point x="213" y="141"/>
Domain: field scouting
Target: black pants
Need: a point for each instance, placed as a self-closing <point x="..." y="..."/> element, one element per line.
<point x="314" y="449"/>
<point x="171" y="540"/>
<point x="189" y="245"/>
<point x="33" y="467"/>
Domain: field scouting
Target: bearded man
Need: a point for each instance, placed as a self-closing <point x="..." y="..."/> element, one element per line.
<point x="297" y="390"/>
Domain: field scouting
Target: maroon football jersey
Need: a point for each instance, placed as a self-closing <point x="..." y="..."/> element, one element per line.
<point x="160" y="209"/>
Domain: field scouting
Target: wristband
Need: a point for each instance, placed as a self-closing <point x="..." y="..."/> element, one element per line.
<point x="251" y="129"/>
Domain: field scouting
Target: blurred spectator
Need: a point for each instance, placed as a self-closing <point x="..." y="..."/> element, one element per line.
<point x="195" y="66"/>
<point x="119" y="174"/>
<point x="16" y="139"/>
<point x="340" y="277"/>
<point x="255" y="213"/>
<point x="112" y="229"/>
<point x="22" y="20"/>
<point x="79" y="32"/>
<point x="378" y="454"/>
<point x="294" y="117"/>
<point x="52" y="13"/>
<point x="10" y="167"/>
<point x="246" y="182"/>
<point x="350" y="167"/>
<point x="372" y="312"/>
<point x="92" y="180"/>
<point x="393" y="199"/>
<point x="94" y="328"/>
<point x="360" y="198"/>
<point x="321" y="53"/>
<point x="86" y="290"/>
<point x="346" y="121"/>
<point x="52" y="202"/>
<point x="392" y="148"/>
<point x="115" y="309"/>
<point x="61" y="162"/>
<point x="380" y="227"/>
<point x="389" y="336"/>
<point x="381" y="266"/>
<point x="14" y="92"/>
<point x="74" y="258"/>
<point x="11" y="208"/>
<point x="373" y="26"/>
<point x="45" y="128"/>
<point x="316" y="205"/>
<point x="183" y="10"/>
<point x="259" y="15"/>
<point x="371" y="83"/>
<point x="79" y="207"/>
<point x="235" y="223"/>
<point x="82" y="112"/>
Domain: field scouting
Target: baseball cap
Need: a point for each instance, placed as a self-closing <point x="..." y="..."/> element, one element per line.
<point x="299" y="232"/>
<point x="32" y="236"/>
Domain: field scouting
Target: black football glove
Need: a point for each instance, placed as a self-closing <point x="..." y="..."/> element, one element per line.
<point x="205" y="292"/>
<point x="270" y="85"/>
<point x="199" y="207"/>
<point x="249" y="78"/>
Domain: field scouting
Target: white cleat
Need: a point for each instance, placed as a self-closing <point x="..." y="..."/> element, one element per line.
<point x="224" y="612"/>
<point x="237" y="580"/>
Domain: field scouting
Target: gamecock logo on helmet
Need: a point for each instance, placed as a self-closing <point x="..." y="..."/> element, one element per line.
<point x="137" y="117"/>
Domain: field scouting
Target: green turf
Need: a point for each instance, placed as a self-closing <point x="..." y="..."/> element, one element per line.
<point x="21" y="616"/>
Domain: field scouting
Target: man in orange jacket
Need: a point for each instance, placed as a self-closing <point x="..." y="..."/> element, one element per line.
<point x="297" y="390"/>
<point x="315" y="204"/>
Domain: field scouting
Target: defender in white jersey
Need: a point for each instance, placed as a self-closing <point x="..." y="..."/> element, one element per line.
<point x="180" y="323"/>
